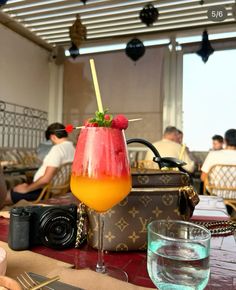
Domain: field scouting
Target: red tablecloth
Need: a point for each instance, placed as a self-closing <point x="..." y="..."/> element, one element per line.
<point x="223" y="260"/>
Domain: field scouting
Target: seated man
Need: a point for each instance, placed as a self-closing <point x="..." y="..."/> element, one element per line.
<point x="180" y="137"/>
<point x="169" y="147"/>
<point x="61" y="152"/>
<point x="224" y="156"/>
<point x="43" y="149"/>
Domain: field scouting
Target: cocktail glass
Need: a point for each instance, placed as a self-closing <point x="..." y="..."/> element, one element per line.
<point x="178" y="255"/>
<point x="101" y="177"/>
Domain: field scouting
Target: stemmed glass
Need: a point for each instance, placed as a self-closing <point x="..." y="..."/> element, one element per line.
<point x="101" y="177"/>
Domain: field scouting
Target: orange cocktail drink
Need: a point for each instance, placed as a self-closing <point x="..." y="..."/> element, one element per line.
<point x="100" y="172"/>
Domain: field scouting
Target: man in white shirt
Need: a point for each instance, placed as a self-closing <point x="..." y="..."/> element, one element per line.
<point x="224" y="156"/>
<point x="61" y="152"/>
<point x="169" y="147"/>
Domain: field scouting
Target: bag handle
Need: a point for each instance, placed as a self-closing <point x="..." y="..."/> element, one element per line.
<point x="162" y="161"/>
<point x="144" y="142"/>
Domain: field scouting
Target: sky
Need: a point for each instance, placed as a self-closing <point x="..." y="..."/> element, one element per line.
<point x="209" y="97"/>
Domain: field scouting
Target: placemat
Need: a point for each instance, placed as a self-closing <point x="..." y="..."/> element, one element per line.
<point x="90" y="280"/>
<point x="20" y="261"/>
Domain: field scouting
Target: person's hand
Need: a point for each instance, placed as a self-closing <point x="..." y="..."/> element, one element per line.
<point x="21" y="188"/>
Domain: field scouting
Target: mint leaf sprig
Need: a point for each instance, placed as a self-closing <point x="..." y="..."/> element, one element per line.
<point x="102" y="119"/>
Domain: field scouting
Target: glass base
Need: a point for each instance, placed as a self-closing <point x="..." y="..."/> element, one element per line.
<point x="113" y="272"/>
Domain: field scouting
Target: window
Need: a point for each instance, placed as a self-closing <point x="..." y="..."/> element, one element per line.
<point x="209" y="97"/>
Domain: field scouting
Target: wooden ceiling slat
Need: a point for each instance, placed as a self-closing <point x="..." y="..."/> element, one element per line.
<point x="19" y="7"/>
<point x="140" y="30"/>
<point x="168" y="28"/>
<point x="106" y="21"/>
<point x="134" y="19"/>
<point x="86" y="17"/>
<point x="79" y="8"/>
<point x="101" y="8"/>
<point x="14" y="4"/>
<point x="139" y="25"/>
<point x="48" y="30"/>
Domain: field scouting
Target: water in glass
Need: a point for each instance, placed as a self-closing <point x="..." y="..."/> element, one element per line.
<point x="179" y="263"/>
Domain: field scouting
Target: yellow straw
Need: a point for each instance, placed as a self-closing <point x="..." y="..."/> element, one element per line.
<point x="134" y="120"/>
<point x="182" y="151"/>
<point x="96" y="86"/>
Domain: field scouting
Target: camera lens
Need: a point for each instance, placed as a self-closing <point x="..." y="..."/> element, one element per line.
<point x="57" y="228"/>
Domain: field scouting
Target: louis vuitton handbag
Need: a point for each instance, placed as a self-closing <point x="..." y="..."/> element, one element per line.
<point x="156" y="194"/>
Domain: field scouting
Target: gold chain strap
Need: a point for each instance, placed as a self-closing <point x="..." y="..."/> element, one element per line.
<point x="191" y="194"/>
<point x="219" y="228"/>
<point x="80" y="225"/>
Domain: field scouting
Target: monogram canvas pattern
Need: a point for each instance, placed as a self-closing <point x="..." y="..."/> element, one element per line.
<point x="163" y="178"/>
<point x="125" y="225"/>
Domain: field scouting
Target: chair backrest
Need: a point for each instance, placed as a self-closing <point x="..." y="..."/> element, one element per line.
<point x="61" y="180"/>
<point x="136" y="154"/>
<point x="59" y="184"/>
<point x="221" y="181"/>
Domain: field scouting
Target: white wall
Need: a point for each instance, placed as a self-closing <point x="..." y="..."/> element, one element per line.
<point x="136" y="90"/>
<point x="24" y="71"/>
<point x="133" y="89"/>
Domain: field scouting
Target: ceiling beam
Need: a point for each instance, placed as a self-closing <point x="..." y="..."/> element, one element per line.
<point x="18" y="28"/>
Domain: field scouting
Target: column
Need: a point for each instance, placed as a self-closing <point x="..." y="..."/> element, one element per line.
<point x="55" y="109"/>
<point x="173" y="83"/>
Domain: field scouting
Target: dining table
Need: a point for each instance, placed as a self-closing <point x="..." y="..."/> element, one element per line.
<point x="222" y="254"/>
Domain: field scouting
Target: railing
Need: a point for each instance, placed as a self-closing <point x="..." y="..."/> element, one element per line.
<point x="21" y="126"/>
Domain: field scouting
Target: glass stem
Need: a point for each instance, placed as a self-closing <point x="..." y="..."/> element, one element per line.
<point x="100" y="267"/>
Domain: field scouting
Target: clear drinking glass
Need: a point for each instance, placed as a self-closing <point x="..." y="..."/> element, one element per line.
<point x="178" y="255"/>
<point x="101" y="177"/>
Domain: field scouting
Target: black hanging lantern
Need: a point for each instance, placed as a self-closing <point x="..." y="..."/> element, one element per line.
<point x="3" y="2"/>
<point x="206" y="49"/>
<point x="202" y="2"/>
<point x="74" y="51"/>
<point x="135" y="49"/>
<point x="149" y="14"/>
<point x="84" y="1"/>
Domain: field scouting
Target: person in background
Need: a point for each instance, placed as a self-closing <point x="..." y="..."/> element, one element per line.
<point x="169" y="147"/>
<point x="180" y="136"/>
<point x="224" y="156"/>
<point x="217" y="142"/>
<point x="43" y="149"/>
<point x="61" y="152"/>
<point x="3" y="189"/>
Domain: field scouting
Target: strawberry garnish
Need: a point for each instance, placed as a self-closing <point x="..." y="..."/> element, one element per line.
<point x="107" y="117"/>
<point x="120" y="122"/>
<point x="69" y="128"/>
<point x="90" y="123"/>
<point x="94" y="124"/>
<point x="102" y="119"/>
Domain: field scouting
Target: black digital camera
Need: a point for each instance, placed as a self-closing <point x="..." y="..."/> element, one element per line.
<point x="51" y="226"/>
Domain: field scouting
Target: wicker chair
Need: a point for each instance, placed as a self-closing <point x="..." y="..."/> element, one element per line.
<point x="60" y="183"/>
<point x="221" y="181"/>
